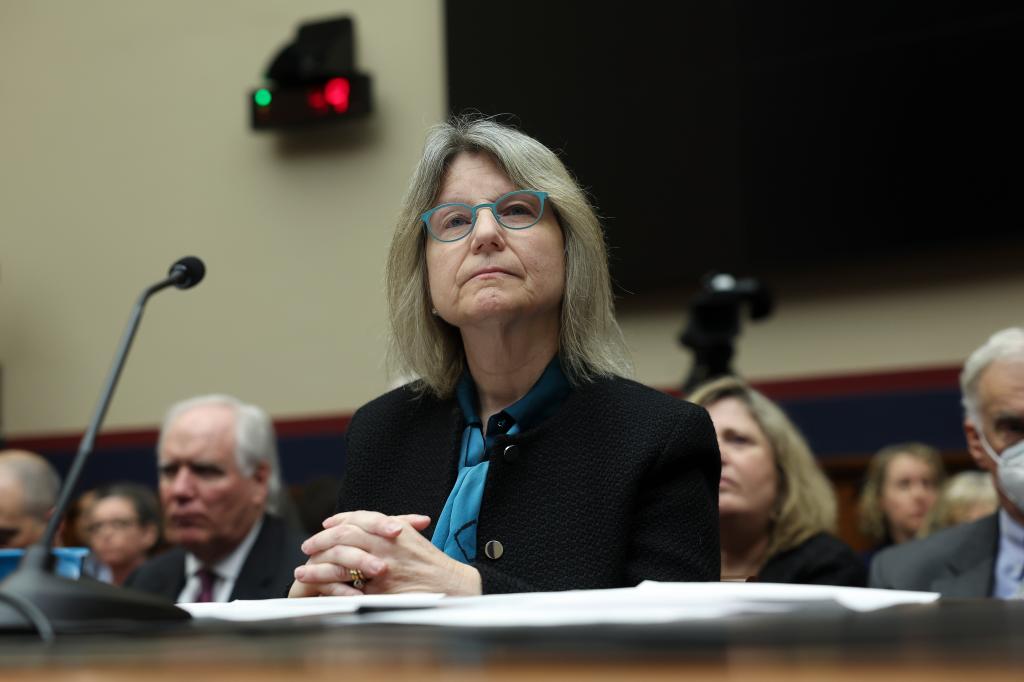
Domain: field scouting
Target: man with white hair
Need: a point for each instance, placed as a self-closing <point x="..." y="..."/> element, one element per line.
<point x="28" y="490"/>
<point x="984" y="558"/>
<point x="219" y="479"/>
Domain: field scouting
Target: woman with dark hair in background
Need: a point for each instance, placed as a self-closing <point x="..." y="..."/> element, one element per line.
<point x="73" y="532"/>
<point x="777" y="511"/>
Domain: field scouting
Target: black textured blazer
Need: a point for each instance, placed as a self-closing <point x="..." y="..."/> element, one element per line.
<point x="267" y="573"/>
<point x="619" y="486"/>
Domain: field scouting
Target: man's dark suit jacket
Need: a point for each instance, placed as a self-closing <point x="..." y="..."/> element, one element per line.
<point x="267" y="573"/>
<point x="955" y="562"/>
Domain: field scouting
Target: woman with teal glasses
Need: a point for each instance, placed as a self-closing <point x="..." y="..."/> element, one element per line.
<point x="521" y="459"/>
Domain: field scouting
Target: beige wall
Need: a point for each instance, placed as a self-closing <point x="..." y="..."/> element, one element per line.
<point x="125" y="145"/>
<point x="900" y="316"/>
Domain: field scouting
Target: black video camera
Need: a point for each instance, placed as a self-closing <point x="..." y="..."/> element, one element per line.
<point x="715" y="323"/>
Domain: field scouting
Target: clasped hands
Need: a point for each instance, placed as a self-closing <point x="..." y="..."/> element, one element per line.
<point x="389" y="551"/>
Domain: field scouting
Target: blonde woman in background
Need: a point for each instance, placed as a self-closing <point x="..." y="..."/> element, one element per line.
<point x="777" y="511"/>
<point x="967" y="496"/>
<point x="902" y="486"/>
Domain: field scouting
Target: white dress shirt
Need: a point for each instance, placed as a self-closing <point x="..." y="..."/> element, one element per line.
<point x="1009" y="569"/>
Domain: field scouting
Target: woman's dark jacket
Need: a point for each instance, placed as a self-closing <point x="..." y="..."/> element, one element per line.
<point x="619" y="486"/>
<point x="821" y="559"/>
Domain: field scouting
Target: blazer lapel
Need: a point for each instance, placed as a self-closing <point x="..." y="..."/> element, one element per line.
<point x="971" y="565"/>
<point x="259" y="567"/>
<point x="172" y="582"/>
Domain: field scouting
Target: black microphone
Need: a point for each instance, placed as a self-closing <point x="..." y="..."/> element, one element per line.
<point x="33" y="597"/>
<point x="187" y="272"/>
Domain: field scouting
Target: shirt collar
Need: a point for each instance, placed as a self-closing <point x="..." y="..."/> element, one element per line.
<point x="1011" y="532"/>
<point x="230" y="566"/>
<point x="542" y="400"/>
<point x="1009" y="565"/>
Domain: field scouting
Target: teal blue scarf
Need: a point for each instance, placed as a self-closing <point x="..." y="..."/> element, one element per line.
<point x="455" y="533"/>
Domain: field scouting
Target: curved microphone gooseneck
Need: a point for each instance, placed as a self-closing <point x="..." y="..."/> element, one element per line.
<point x="49" y="602"/>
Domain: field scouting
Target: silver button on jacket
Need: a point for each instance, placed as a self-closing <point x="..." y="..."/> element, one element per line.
<point x="493" y="549"/>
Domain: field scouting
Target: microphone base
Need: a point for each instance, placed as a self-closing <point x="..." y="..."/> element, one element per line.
<point x="76" y="605"/>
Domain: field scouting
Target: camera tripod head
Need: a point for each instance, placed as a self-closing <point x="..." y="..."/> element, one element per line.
<point x="714" y="323"/>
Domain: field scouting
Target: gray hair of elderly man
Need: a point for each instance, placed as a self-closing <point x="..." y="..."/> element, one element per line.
<point x="1004" y="344"/>
<point x="255" y="440"/>
<point x="37" y="478"/>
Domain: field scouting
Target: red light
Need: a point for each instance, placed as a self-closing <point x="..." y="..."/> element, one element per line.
<point x="316" y="100"/>
<point x="336" y="94"/>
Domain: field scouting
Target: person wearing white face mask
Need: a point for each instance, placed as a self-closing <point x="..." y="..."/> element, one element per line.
<point x="984" y="558"/>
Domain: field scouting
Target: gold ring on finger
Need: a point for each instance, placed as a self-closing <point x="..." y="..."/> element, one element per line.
<point x="358" y="579"/>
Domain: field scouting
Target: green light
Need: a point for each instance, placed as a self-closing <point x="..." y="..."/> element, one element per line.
<point x="262" y="97"/>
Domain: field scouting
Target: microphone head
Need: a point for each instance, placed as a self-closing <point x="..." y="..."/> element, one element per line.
<point x="188" y="272"/>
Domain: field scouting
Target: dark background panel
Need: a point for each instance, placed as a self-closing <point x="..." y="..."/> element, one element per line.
<point x="759" y="136"/>
<point x="303" y="459"/>
<point x="834" y="425"/>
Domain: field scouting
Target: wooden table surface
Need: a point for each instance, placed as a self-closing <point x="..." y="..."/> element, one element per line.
<point x="972" y="640"/>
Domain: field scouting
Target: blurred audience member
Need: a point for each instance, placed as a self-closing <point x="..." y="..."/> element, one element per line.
<point x="776" y="508"/>
<point x="74" y="532"/>
<point x="982" y="558"/>
<point x="966" y="497"/>
<point x="28" y="490"/>
<point x="902" y="486"/>
<point x="123" y="528"/>
<point x="220" y="490"/>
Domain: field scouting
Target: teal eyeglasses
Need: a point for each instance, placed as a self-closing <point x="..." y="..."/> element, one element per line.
<point x="514" y="211"/>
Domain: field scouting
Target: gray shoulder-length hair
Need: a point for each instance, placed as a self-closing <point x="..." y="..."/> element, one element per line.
<point x="805" y="504"/>
<point x="422" y="344"/>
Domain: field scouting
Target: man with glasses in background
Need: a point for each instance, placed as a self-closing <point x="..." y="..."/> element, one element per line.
<point x="984" y="558"/>
<point x="123" y="528"/>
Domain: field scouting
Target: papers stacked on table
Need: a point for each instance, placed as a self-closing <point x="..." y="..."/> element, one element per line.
<point x="649" y="602"/>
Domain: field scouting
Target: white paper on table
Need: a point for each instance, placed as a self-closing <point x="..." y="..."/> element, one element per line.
<point x="853" y="598"/>
<point x="274" y="609"/>
<point x="648" y="603"/>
